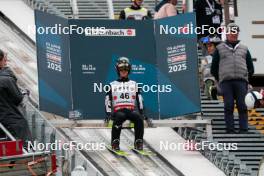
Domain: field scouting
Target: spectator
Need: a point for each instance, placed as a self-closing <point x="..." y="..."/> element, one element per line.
<point x="210" y="84"/>
<point x="232" y="66"/>
<point x="10" y="98"/>
<point x="166" y="8"/>
<point x="208" y="14"/>
<point x="4" y="69"/>
<point x="135" y="12"/>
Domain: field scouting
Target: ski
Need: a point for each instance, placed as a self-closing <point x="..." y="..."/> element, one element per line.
<point x="143" y="152"/>
<point x="110" y="124"/>
<point x="117" y="152"/>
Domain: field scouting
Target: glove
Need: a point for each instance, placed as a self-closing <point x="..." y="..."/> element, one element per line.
<point x="25" y="92"/>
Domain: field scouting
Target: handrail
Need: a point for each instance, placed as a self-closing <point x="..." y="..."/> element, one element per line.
<point x="49" y="124"/>
<point x="110" y="9"/>
<point x="9" y="135"/>
<point x="75" y="9"/>
<point x="189" y="6"/>
<point x="7" y="132"/>
<point x="261" y="168"/>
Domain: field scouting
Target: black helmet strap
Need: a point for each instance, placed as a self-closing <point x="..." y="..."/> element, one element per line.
<point x="257" y="102"/>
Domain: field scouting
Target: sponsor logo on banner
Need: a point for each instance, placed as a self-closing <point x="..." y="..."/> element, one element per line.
<point x="88" y="69"/>
<point x="112" y="33"/>
<point x="138" y="69"/>
<point x="177" y="58"/>
<point x="75" y="114"/>
<point x="53" y="57"/>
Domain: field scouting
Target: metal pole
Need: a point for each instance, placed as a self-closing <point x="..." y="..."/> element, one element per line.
<point x="226" y="11"/>
<point x="33" y="130"/>
<point x="7" y="132"/>
<point x="209" y="131"/>
<point x="235" y="8"/>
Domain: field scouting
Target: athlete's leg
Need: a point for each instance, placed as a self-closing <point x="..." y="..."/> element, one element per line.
<point x="138" y="121"/>
<point x="118" y="119"/>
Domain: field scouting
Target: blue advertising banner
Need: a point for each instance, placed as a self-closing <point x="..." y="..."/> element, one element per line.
<point x="176" y="49"/>
<point x="53" y="64"/>
<point x="164" y="64"/>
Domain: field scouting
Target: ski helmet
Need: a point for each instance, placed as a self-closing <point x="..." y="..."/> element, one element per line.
<point x="123" y="63"/>
<point x="252" y="99"/>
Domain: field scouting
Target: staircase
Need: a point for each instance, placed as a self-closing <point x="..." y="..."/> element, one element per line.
<point x="63" y="6"/>
<point x="244" y="161"/>
<point x="93" y="9"/>
<point x="87" y="9"/>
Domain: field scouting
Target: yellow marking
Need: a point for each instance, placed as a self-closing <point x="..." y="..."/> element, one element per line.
<point x="260" y="127"/>
<point x="261" y="131"/>
<point x="253" y="113"/>
<point x="261" y="122"/>
<point x="252" y="123"/>
<point x="235" y="110"/>
<point x="255" y="118"/>
<point x="221" y="98"/>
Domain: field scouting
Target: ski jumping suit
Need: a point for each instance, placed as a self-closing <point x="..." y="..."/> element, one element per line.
<point x="122" y="99"/>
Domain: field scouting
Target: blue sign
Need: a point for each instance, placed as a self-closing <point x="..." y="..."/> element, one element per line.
<point x="75" y="68"/>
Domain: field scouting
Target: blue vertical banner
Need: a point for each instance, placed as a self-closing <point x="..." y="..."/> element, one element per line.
<point x="53" y="64"/>
<point x="177" y="64"/>
<point x="76" y="63"/>
<point x="177" y="59"/>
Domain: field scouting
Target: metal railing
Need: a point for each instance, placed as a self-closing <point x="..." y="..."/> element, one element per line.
<point x="43" y="132"/>
<point x="75" y="9"/>
<point x="110" y="9"/>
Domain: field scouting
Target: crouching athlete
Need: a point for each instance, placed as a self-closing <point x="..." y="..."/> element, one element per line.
<point x="124" y="102"/>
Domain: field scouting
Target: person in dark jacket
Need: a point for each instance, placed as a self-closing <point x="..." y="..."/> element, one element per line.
<point x="208" y="12"/>
<point x="10" y="98"/>
<point x="4" y="69"/>
<point x="135" y="12"/>
<point x="232" y="66"/>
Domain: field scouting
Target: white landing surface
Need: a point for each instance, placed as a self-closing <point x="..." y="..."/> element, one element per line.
<point x="190" y="163"/>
